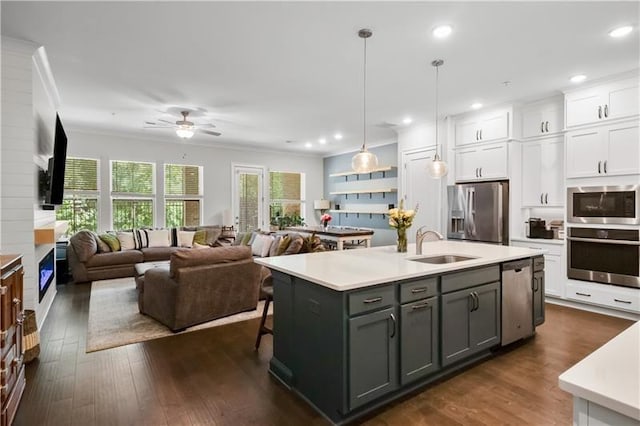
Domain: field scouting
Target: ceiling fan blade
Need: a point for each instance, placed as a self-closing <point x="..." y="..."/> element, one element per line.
<point x="168" y="122"/>
<point x="210" y="132"/>
<point x="157" y="127"/>
<point x="206" y="125"/>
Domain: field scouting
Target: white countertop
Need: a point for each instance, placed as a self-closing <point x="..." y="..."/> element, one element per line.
<point x="351" y="269"/>
<point x="610" y="376"/>
<point x="539" y="240"/>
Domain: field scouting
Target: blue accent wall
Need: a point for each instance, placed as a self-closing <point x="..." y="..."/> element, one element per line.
<point x="378" y="202"/>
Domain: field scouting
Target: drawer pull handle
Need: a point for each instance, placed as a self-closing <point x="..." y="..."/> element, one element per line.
<point x="418" y="290"/>
<point x="420" y="306"/>
<point x="628" y="302"/>
<point x="583" y="294"/>
<point x="372" y="300"/>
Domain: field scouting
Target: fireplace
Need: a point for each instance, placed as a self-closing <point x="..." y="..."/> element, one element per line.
<point x="46" y="272"/>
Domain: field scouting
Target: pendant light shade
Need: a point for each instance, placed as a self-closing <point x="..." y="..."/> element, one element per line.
<point x="437" y="168"/>
<point x="364" y="161"/>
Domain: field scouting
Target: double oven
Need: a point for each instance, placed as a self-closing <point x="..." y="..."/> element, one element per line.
<point x="601" y="253"/>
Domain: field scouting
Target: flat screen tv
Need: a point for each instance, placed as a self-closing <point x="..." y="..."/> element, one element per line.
<point x="55" y="171"/>
<point x="45" y="273"/>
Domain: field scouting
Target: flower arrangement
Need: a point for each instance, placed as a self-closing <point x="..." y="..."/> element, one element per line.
<point x="401" y="219"/>
<point x="325" y="219"/>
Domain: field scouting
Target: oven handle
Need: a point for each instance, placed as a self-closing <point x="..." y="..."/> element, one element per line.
<point x="605" y="241"/>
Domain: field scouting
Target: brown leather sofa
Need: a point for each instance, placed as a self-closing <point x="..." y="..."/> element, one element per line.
<point x="200" y="286"/>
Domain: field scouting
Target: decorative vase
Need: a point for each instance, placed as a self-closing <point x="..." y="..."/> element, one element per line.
<point x="402" y="240"/>
<point x="325" y="226"/>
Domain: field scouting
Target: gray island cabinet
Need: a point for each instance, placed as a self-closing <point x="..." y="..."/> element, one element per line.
<point x="349" y="351"/>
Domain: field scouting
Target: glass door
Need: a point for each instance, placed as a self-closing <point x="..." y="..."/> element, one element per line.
<point x="248" y="197"/>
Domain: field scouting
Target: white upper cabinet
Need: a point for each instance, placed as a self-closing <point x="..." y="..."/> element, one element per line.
<point x="485" y="162"/>
<point x="604" y="151"/>
<point x="543" y="118"/>
<point x="543" y="173"/>
<point x="615" y="100"/>
<point x="483" y="127"/>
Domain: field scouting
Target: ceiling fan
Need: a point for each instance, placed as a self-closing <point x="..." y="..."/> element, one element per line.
<point x="184" y="128"/>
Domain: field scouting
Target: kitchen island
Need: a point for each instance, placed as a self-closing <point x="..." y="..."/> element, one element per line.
<point x="356" y="329"/>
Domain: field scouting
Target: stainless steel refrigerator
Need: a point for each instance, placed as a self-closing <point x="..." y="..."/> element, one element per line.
<point x="479" y="212"/>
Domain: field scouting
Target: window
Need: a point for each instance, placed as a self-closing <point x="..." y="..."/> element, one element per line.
<point x="286" y="207"/>
<point x="183" y="195"/>
<point x="80" y="203"/>
<point x="132" y="192"/>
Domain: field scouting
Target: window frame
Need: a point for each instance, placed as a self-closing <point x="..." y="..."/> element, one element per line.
<point x="73" y="194"/>
<point x="133" y="196"/>
<point x="183" y="197"/>
<point x="302" y="201"/>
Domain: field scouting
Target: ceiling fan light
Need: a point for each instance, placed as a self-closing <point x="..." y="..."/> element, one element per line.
<point x="437" y="168"/>
<point x="364" y="162"/>
<point x="184" y="132"/>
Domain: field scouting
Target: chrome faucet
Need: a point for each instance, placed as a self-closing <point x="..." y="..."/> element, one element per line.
<point x="422" y="235"/>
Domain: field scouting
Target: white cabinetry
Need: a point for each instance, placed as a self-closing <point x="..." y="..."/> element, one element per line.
<point x="604" y="151"/>
<point x="555" y="276"/>
<point x="482" y="127"/>
<point x="543" y="118"/>
<point x="485" y="162"/>
<point x="609" y="101"/>
<point x="623" y="298"/>
<point x="543" y="173"/>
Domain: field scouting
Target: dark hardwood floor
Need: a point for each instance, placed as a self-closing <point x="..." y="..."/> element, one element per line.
<point x="214" y="377"/>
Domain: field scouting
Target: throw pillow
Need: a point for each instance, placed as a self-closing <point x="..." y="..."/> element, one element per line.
<point x="141" y="239"/>
<point x="268" y="242"/>
<point x="246" y="239"/>
<point x="102" y="246"/>
<point x="273" y="251"/>
<point x="200" y="237"/>
<point x="159" y="238"/>
<point x="185" y="238"/>
<point x="212" y="233"/>
<point x="284" y="244"/>
<point x="111" y="241"/>
<point x="296" y="245"/>
<point x="257" y="246"/>
<point x="126" y="239"/>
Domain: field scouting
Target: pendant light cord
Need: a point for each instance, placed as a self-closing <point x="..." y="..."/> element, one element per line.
<point x="436" y="121"/>
<point x="364" y="99"/>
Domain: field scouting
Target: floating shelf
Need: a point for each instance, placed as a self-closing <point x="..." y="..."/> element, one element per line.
<point x="364" y="191"/>
<point x="50" y="234"/>
<point x="358" y="212"/>
<point x="382" y="170"/>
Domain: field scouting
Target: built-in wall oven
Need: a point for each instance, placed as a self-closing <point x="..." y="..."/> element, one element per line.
<point x="604" y="204"/>
<point x="610" y="256"/>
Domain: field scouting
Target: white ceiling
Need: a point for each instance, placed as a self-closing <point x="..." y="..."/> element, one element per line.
<point x="268" y="72"/>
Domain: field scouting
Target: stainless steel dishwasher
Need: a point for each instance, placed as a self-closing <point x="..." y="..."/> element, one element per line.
<point x="517" y="301"/>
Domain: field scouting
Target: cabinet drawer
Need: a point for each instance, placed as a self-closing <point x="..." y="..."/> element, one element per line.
<point x="11" y="405"/>
<point x="538" y="263"/>
<point x="605" y="295"/>
<point x="371" y="299"/>
<point x="473" y="277"/>
<point x="7" y="365"/>
<point x="416" y="290"/>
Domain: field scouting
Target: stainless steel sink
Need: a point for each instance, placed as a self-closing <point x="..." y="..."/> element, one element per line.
<point x="446" y="258"/>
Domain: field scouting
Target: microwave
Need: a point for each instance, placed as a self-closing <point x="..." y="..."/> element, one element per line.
<point x="604" y="204"/>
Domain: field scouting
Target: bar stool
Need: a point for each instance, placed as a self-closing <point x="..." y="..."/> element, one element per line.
<point x="267" y="292"/>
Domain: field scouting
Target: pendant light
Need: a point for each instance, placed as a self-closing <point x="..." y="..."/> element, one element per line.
<point x="364" y="161"/>
<point x="437" y="168"/>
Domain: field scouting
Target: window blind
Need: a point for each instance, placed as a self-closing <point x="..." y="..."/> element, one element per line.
<point x="81" y="174"/>
<point x="181" y="180"/>
<point x="132" y="178"/>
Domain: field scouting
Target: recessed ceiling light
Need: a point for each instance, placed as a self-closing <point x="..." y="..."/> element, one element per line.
<point x="322" y="141"/>
<point x="407" y="120"/>
<point x="308" y="145"/>
<point x="476" y="105"/>
<point x="621" y="31"/>
<point x="337" y="136"/>
<point x="578" y="78"/>
<point x="442" y="31"/>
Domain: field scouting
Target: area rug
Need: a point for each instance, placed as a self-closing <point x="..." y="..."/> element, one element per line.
<point x="114" y="319"/>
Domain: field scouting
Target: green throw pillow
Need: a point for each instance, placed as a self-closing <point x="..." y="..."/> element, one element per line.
<point x="284" y="245"/>
<point x="111" y="240"/>
<point x="200" y="237"/>
<point x="246" y="239"/>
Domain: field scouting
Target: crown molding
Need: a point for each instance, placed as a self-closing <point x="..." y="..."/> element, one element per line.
<point x="18" y="46"/>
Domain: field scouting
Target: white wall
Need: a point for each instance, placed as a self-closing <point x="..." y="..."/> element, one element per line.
<point x="26" y="120"/>
<point x="216" y="164"/>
